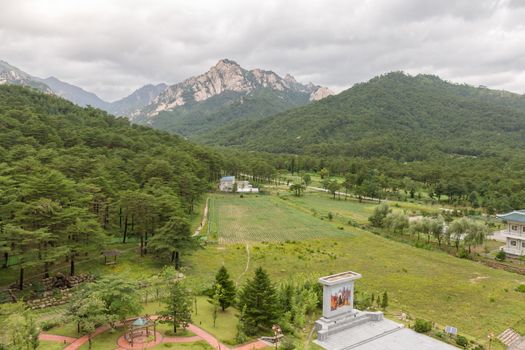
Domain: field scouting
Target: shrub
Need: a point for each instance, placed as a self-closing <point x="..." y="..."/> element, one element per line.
<point x="379" y="214"/>
<point x="520" y="288"/>
<point x="501" y="256"/>
<point x="463" y="254"/>
<point x="287" y="344"/>
<point x="47" y="325"/>
<point x="422" y="326"/>
<point x="461" y="341"/>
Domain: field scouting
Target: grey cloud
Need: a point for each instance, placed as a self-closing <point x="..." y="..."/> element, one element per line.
<point x="113" y="47"/>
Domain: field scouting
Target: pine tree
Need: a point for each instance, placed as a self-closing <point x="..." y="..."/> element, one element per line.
<point x="228" y="292"/>
<point x="178" y="306"/>
<point x="173" y="238"/>
<point x="259" y="299"/>
<point x="384" y="301"/>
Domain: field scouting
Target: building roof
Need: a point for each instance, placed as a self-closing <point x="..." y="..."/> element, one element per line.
<point x="228" y="178"/>
<point x="515" y="216"/>
<point x="139" y="322"/>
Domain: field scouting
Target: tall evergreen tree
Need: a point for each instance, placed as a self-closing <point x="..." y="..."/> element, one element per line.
<point x="259" y="300"/>
<point x="178" y="306"/>
<point x="173" y="238"/>
<point x="228" y="290"/>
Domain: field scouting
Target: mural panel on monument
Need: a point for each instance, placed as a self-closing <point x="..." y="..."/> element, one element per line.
<point x="341" y="297"/>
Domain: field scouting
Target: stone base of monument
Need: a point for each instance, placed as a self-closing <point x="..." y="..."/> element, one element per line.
<point x="327" y="327"/>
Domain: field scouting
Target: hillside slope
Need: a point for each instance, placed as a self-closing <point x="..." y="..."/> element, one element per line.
<point x="75" y="94"/>
<point x="394" y="115"/>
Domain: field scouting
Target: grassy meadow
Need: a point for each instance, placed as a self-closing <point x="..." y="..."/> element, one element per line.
<point x="290" y="236"/>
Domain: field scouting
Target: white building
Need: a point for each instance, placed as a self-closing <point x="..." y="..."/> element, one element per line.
<point x="246" y="187"/>
<point x="515" y="232"/>
<point x="228" y="183"/>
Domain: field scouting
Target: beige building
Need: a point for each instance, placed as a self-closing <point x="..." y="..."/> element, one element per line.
<point x="514" y="232"/>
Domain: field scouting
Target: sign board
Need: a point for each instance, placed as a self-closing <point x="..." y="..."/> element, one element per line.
<point x="451" y="330"/>
<point x="338" y="293"/>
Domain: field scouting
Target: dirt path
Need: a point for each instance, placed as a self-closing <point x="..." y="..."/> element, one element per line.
<point x="247" y="264"/>
<point x="204" y="218"/>
<point x="307" y="343"/>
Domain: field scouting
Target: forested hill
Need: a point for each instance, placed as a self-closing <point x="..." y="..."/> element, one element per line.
<point x="395" y="115"/>
<point x="71" y="177"/>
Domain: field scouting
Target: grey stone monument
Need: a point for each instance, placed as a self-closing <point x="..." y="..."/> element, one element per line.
<point x="338" y="306"/>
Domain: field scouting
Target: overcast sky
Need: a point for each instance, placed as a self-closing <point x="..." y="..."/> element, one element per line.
<point x="112" y="47"/>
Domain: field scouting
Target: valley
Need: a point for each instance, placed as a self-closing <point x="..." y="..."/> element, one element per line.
<point x="384" y="179"/>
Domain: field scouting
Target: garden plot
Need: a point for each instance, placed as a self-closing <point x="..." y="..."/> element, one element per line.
<point x="264" y="219"/>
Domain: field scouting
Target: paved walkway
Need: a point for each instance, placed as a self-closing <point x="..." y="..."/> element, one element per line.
<point x="200" y="334"/>
<point x="56" y="338"/>
<point x="80" y="341"/>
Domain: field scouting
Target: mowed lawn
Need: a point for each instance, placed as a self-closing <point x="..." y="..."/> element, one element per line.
<point x="263" y="218"/>
<point x="426" y="284"/>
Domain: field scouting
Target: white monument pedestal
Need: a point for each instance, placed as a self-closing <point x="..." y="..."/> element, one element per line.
<point x="338" y="306"/>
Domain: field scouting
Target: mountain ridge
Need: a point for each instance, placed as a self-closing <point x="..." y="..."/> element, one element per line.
<point x="394" y="115"/>
<point x="227" y="75"/>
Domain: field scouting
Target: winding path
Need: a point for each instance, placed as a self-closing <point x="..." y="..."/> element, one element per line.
<point x="247" y="265"/>
<point x="200" y="334"/>
<point x="203" y="220"/>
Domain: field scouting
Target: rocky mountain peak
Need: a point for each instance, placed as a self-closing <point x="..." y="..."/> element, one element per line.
<point x="290" y="79"/>
<point x="15" y="76"/>
<point x="225" y="63"/>
<point x="225" y="76"/>
<point x="320" y="93"/>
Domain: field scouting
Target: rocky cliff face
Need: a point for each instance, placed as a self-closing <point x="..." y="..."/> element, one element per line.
<point x="320" y="93"/>
<point x="13" y="75"/>
<point x="132" y="104"/>
<point x="228" y="76"/>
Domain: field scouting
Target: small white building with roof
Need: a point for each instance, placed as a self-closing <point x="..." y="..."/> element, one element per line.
<point x="514" y="232"/>
<point x="228" y="184"/>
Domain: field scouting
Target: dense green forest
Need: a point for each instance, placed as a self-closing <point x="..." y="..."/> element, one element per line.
<point x="72" y="178"/>
<point x="398" y="116"/>
<point x="455" y="140"/>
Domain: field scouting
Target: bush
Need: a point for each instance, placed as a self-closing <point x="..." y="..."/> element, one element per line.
<point x="287" y="344"/>
<point x="520" y="288"/>
<point x="47" y="325"/>
<point x="422" y="326"/>
<point x="501" y="256"/>
<point x="461" y="341"/>
<point x="463" y="254"/>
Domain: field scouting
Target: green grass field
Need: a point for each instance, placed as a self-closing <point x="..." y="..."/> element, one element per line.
<point x="50" y="345"/>
<point x="427" y="284"/>
<point x="263" y="218"/>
